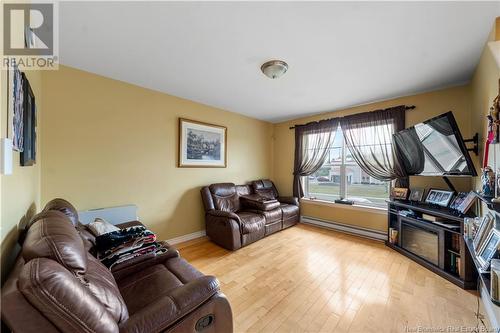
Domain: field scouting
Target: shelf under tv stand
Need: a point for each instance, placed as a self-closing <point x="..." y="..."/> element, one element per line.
<point x="449" y="256"/>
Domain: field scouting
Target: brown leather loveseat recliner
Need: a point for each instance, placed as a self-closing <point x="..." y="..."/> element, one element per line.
<point x="237" y="215"/>
<point x="58" y="286"/>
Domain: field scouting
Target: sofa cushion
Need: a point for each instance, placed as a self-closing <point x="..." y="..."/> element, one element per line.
<point x="271" y="228"/>
<point x="265" y="188"/>
<point x="158" y="281"/>
<point x="251" y="222"/>
<point x="63" y="299"/>
<point x="158" y="315"/>
<point x="243" y="189"/>
<point x="103" y="286"/>
<point x="272" y="215"/>
<point x="289" y="211"/>
<point x="146" y="286"/>
<point x="225" y="197"/>
<point x="64" y="207"/>
<point x="53" y="236"/>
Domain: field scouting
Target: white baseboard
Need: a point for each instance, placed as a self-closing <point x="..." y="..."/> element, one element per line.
<point x="346" y="228"/>
<point x="187" y="237"/>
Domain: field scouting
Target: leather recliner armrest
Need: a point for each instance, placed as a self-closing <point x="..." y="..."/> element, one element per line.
<point x="221" y="213"/>
<point x="162" y="313"/>
<point x="289" y="200"/>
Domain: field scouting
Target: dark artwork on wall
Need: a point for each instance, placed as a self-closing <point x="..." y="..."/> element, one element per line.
<point x="28" y="155"/>
<point x="15" y="79"/>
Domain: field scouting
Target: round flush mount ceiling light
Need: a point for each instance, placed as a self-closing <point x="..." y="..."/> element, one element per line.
<point x="274" y="69"/>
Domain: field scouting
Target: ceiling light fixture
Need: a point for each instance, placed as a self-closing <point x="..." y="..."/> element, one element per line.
<point x="274" y="69"/>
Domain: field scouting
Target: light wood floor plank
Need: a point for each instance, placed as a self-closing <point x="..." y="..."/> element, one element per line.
<point x="307" y="279"/>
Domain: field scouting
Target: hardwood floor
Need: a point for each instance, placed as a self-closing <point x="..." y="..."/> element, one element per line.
<point x="307" y="279"/>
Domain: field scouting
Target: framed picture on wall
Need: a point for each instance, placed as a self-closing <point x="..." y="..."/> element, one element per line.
<point x="202" y="145"/>
<point x="28" y="155"/>
<point x="15" y="108"/>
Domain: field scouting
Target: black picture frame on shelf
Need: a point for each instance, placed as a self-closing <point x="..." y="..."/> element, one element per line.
<point x="28" y="155"/>
<point x="438" y="197"/>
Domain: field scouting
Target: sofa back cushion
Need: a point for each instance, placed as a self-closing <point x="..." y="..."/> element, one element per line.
<point x="64" y="207"/>
<point x="63" y="299"/>
<point x="225" y="197"/>
<point x="53" y="237"/>
<point x="265" y="188"/>
<point x="244" y="190"/>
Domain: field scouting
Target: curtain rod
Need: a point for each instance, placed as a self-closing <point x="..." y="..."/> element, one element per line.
<point x="407" y="107"/>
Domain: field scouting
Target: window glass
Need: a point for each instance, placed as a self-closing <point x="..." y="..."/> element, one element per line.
<point x="340" y="176"/>
<point x="324" y="184"/>
<point x="364" y="189"/>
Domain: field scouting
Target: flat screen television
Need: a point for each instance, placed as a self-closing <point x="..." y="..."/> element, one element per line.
<point x="434" y="148"/>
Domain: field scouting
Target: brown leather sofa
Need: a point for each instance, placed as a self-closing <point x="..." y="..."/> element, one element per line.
<point x="238" y="215"/>
<point x="58" y="286"/>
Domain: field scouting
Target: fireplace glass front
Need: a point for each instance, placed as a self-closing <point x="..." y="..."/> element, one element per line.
<point x="422" y="242"/>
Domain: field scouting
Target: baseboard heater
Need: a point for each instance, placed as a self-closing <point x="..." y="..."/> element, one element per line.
<point x="345" y="228"/>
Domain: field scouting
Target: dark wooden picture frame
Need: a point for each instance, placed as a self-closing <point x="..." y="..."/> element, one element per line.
<point x="28" y="155"/>
<point x="203" y="130"/>
<point x="417" y="194"/>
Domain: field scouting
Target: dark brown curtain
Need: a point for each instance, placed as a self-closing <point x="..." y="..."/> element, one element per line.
<point x="369" y="138"/>
<point x="312" y="142"/>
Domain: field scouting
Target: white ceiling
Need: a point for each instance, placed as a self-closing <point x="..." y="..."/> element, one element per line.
<point x="340" y="54"/>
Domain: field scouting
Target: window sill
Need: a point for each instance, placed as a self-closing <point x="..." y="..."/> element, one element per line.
<point x="376" y="210"/>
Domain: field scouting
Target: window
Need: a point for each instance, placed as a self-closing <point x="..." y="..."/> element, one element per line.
<point x="341" y="177"/>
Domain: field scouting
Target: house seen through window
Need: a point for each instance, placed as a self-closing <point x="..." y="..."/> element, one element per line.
<point x="341" y="177"/>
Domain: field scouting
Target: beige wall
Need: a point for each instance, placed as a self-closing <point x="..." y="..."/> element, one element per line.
<point x="20" y="191"/>
<point x="484" y="88"/>
<point x="109" y="143"/>
<point x="456" y="99"/>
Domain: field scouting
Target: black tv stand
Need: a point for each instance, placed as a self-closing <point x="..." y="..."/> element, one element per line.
<point x="443" y="249"/>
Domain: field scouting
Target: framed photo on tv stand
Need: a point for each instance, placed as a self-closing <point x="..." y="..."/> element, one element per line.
<point x="440" y="198"/>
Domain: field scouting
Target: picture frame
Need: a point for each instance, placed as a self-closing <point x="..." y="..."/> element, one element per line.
<point x="201" y="145"/>
<point x="486" y="225"/>
<point x="416" y="194"/>
<point x="28" y="154"/>
<point x="489" y="249"/>
<point x="458" y="200"/>
<point x="439" y="197"/>
<point x="399" y="193"/>
<point x="465" y="203"/>
<point x="15" y="108"/>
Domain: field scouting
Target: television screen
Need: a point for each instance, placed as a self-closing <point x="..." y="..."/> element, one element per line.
<point x="434" y="148"/>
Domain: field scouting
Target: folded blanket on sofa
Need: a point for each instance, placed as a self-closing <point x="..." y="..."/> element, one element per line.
<point x="112" y="260"/>
<point x="125" y="244"/>
<point x="114" y="239"/>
